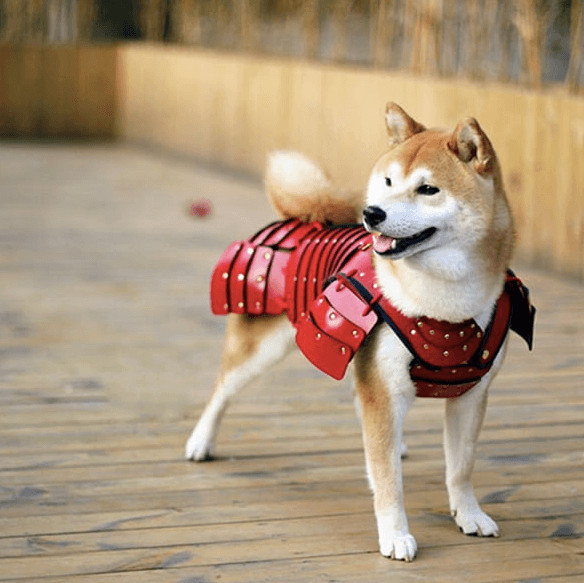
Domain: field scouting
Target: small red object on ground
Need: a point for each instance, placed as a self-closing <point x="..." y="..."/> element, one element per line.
<point x="201" y="208"/>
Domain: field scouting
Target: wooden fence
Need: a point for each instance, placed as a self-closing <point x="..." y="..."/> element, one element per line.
<point x="527" y="42"/>
<point x="58" y="91"/>
<point x="232" y="109"/>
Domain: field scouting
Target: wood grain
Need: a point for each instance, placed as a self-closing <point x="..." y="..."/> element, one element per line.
<point x="108" y="352"/>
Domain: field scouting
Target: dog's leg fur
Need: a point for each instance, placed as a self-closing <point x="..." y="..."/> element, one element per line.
<point x="383" y="409"/>
<point x="252" y="344"/>
<point x="463" y="421"/>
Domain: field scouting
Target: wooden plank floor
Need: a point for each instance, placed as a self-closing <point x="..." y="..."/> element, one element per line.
<point x="108" y="352"/>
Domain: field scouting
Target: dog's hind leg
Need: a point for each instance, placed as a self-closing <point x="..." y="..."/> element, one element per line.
<point x="463" y="421"/>
<point x="252" y="344"/>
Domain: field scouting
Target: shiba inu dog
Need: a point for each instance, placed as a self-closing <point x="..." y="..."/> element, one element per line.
<point x="431" y="262"/>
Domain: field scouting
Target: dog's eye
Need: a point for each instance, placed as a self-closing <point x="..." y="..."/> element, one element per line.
<point x="427" y="190"/>
<point x="388" y="181"/>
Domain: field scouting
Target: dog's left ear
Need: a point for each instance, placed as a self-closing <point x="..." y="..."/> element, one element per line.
<point x="400" y="126"/>
<point x="469" y="142"/>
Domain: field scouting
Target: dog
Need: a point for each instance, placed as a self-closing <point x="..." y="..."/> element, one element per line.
<point x="430" y="259"/>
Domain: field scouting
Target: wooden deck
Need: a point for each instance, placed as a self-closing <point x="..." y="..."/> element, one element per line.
<point x="108" y="352"/>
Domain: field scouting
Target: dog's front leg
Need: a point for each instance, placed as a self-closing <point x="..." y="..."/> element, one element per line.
<point x="463" y="421"/>
<point x="383" y="408"/>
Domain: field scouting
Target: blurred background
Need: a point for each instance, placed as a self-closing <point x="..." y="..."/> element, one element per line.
<point x="226" y="81"/>
<point x="116" y="118"/>
<point x="529" y="42"/>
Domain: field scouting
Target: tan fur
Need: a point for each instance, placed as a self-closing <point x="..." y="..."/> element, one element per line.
<point x="243" y="335"/>
<point x="297" y="188"/>
<point x="376" y="414"/>
<point x="458" y="277"/>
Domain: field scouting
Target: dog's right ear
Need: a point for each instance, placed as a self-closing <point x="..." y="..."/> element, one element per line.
<point x="400" y="126"/>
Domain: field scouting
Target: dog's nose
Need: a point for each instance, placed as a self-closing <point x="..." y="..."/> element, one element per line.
<point x="373" y="215"/>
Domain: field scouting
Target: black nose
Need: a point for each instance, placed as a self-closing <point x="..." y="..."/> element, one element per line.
<point x="373" y="215"/>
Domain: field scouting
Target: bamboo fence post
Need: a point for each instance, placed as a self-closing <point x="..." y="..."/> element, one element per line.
<point x="341" y="11"/>
<point x="448" y="58"/>
<point x="576" y="15"/>
<point x="14" y="22"/>
<point x="482" y="16"/>
<point x="531" y="22"/>
<point x="505" y="33"/>
<point x="24" y="21"/>
<point x="185" y="21"/>
<point x="310" y="25"/>
<point x="249" y="23"/>
<point x="152" y="14"/>
<point x="409" y="36"/>
<point x="381" y="29"/>
<point x="86" y="12"/>
<point x="425" y="51"/>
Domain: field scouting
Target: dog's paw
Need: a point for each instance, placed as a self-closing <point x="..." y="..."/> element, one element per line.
<point x="200" y="445"/>
<point x="401" y="547"/>
<point x="475" y="522"/>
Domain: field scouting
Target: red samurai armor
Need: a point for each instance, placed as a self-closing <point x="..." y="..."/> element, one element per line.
<point x="323" y="279"/>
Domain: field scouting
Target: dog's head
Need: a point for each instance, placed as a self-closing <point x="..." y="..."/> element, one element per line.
<point x="437" y="196"/>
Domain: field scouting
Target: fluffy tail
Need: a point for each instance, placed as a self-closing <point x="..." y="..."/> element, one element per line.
<point x="299" y="188"/>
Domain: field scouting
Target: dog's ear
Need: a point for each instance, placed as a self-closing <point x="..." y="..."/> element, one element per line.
<point x="400" y="126"/>
<point x="469" y="142"/>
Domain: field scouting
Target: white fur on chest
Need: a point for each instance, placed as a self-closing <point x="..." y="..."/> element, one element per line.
<point x="416" y="293"/>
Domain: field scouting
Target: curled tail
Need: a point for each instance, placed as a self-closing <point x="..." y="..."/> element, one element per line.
<point x="298" y="188"/>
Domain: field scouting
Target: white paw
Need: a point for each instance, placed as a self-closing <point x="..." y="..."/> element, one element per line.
<point x="475" y="522"/>
<point x="401" y="547"/>
<point x="200" y="444"/>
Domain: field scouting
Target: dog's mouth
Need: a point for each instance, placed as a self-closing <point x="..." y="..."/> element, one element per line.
<point x="391" y="246"/>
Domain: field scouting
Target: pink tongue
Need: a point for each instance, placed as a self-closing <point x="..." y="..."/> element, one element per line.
<point x="382" y="243"/>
